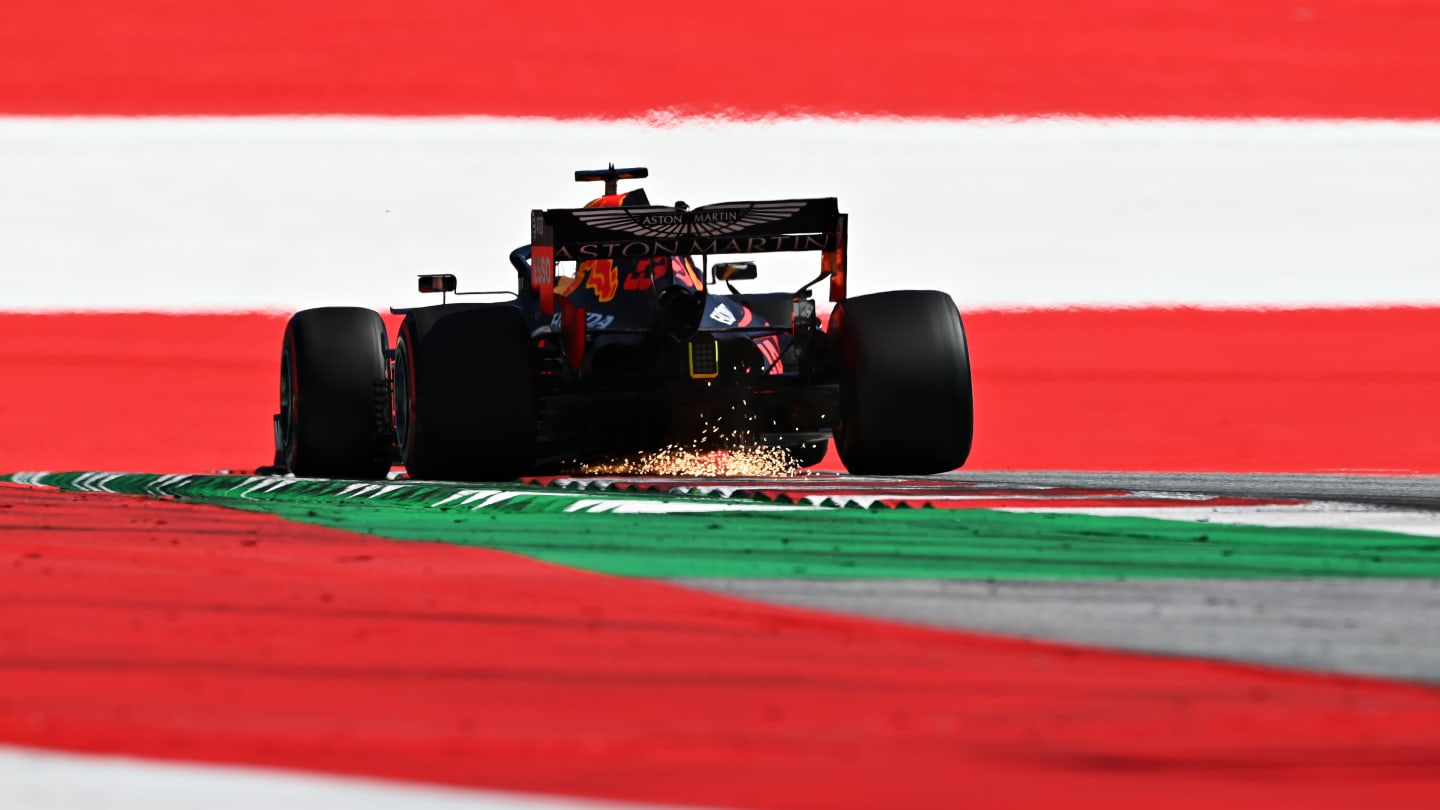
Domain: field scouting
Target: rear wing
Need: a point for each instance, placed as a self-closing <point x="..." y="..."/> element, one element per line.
<point x="770" y="226"/>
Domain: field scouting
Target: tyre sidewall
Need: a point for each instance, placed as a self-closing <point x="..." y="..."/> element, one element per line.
<point x="468" y="382"/>
<point x="336" y="422"/>
<point x="905" y="389"/>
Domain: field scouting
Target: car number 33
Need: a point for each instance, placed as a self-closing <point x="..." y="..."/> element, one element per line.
<point x="593" y="320"/>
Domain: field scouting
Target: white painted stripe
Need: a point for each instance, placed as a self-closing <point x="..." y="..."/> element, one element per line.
<point x="1318" y="515"/>
<point x="623" y="506"/>
<point x="464" y="493"/>
<point x="352" y="490"/>
<point x="47" y="780"/>
<point x="473" y="498"/>
<point x="225" y="214"/>
<point x="498" y="497"/>
<point x="647" y="507"/>
<point x="271" y="483"/>
<point x="862" y="501"/>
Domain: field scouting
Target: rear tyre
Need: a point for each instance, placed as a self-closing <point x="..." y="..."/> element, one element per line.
<point x="906" y="406"/>
<point x="465" y="393"/>
<point x="334" y="417"/>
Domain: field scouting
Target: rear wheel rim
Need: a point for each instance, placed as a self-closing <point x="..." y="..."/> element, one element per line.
<point x="287" y="401"/>
<point x="401" y="398"/>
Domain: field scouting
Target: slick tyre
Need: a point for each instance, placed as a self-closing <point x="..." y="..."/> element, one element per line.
<point x="906" y="406"/>
<point x="334" y="417"/>
<point x="465" y="393"/>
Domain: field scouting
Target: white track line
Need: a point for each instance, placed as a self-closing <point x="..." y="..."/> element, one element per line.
<point x="255" y="213"/>
<point x="50" y="780"/>
<point x="1318" y="515"/>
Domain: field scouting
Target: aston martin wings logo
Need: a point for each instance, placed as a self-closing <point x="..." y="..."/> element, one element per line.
<point x="670" y="223"/>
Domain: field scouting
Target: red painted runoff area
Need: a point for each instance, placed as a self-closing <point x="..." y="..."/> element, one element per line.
<point x="159" y="629"/>
<point x="746" y="58"/>
<point x="1146" y="389"/>
<point x="1197" y="390"/>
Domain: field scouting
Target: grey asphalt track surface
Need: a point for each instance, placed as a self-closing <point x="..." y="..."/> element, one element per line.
<point x="1379" y="627"/>
<point x="1358" y="626"/>
<point x="1412" y="492"/>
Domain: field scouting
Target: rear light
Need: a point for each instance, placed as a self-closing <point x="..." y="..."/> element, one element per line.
<point x="704" y="357"/>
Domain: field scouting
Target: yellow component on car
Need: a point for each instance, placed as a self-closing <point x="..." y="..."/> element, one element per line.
<point x="704" y="357"/>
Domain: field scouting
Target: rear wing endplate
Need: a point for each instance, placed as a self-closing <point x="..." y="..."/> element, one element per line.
<point x="769" y="226"/>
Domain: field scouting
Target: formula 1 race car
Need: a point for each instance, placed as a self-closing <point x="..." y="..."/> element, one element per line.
<point x="632" y="352"/>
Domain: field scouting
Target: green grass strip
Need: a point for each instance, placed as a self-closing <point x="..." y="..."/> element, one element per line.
<point x="809" y="542"/>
